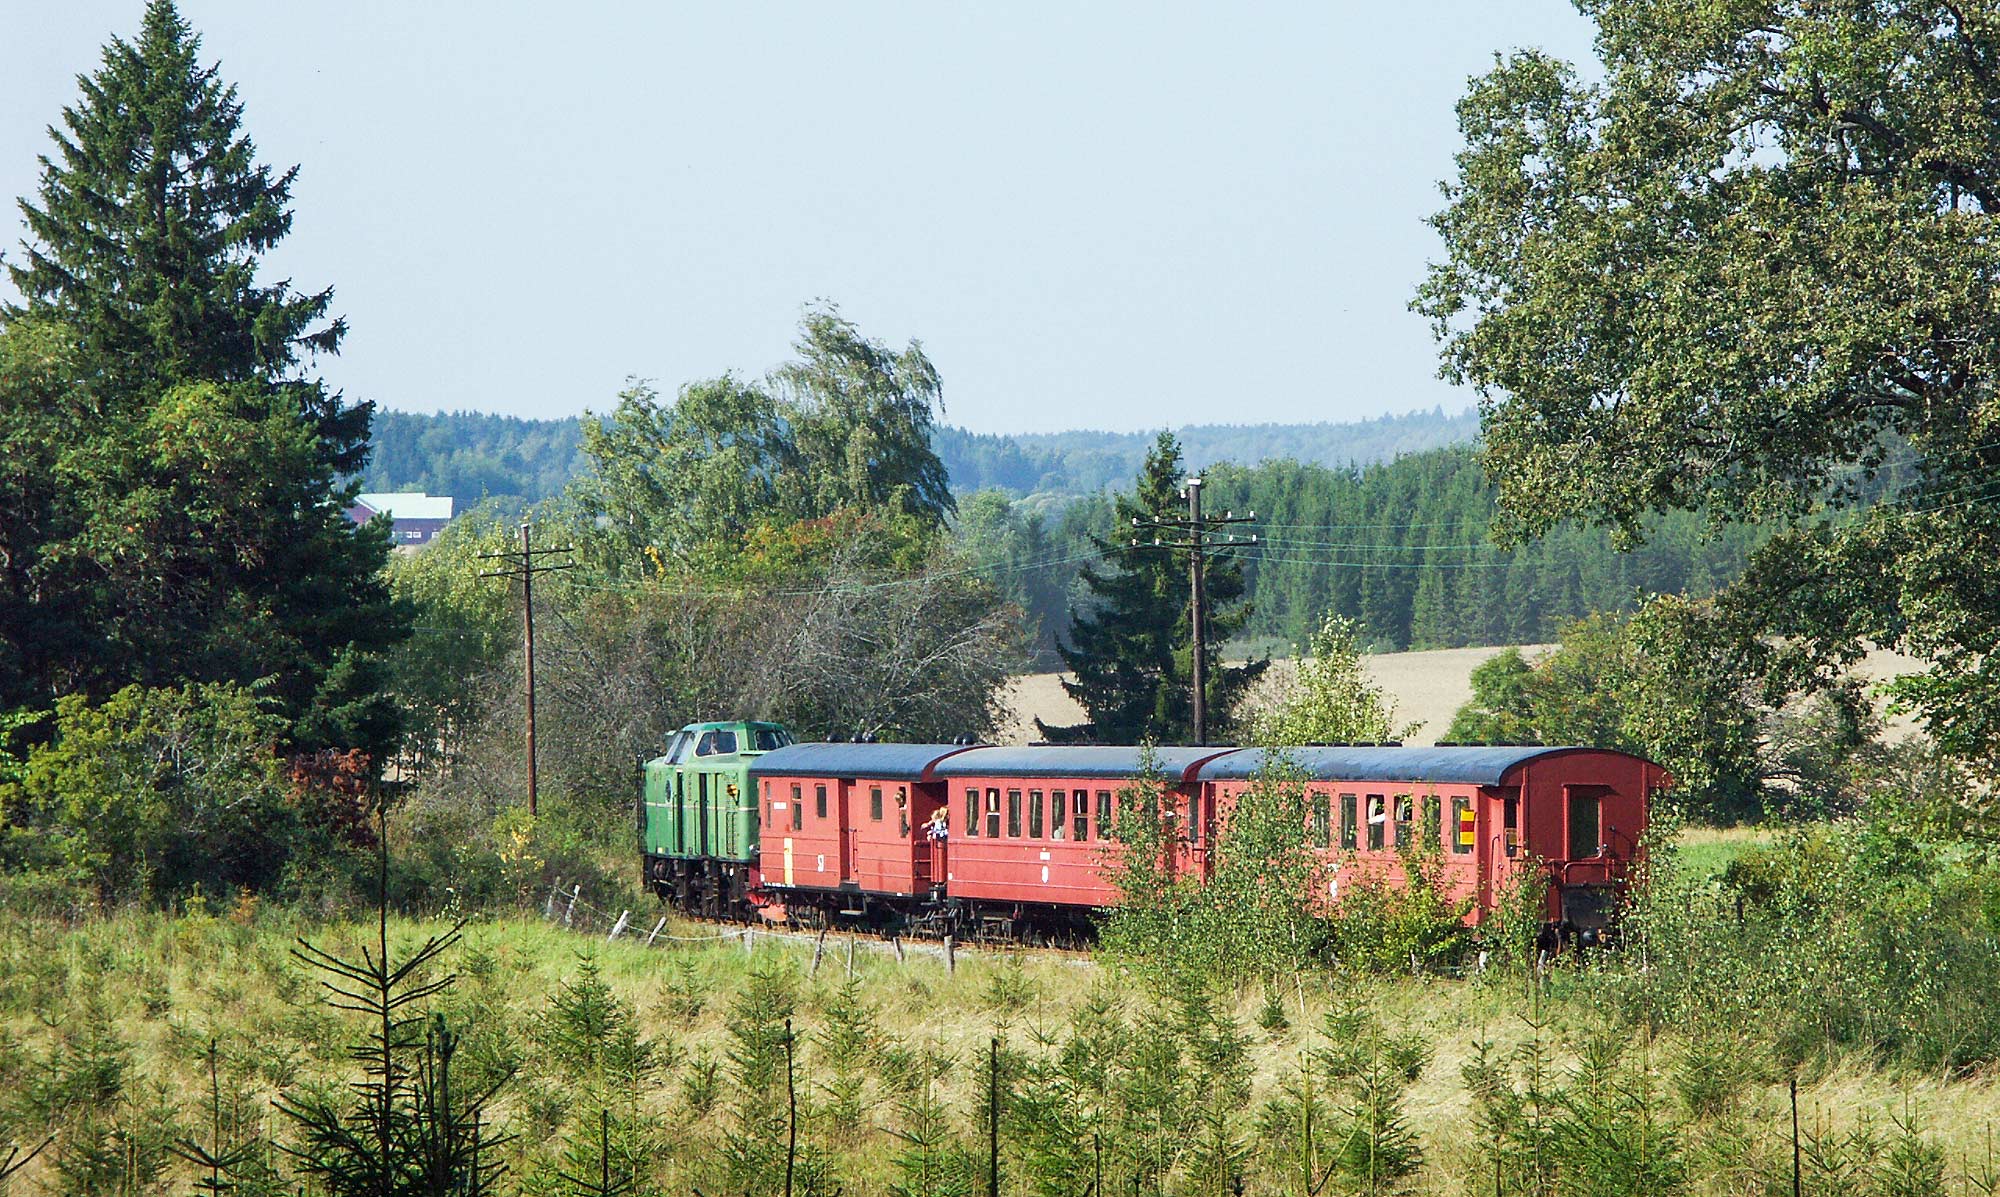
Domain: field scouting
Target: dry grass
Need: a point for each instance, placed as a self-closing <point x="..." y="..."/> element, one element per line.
<point x="170" y="984"/>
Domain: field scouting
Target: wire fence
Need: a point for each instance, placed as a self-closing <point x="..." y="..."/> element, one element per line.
<point x="566" y="905"/>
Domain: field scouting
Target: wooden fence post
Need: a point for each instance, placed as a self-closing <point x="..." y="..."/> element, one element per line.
<point x="656" y="930"/>
<point x="618" y="928"/>
<point x="950" y="955"/>
<point x="819" y="949"/>
<point x="569" y="912"/>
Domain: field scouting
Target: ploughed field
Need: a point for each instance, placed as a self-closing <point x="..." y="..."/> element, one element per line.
<point x="1429" y="687"/>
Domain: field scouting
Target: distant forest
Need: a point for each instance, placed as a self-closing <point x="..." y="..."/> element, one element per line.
<point x="1384" y="520"/>
<point x="473" y="456"/>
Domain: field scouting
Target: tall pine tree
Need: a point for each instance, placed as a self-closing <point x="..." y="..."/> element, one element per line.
<point x="1131" y="648"/>
<point x="175" y="511"/>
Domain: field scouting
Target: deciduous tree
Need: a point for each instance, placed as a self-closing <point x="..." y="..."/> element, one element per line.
<point x="1741" y="271"/>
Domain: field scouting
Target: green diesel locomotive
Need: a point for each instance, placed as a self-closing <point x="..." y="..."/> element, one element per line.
<point x="698" y="816"/>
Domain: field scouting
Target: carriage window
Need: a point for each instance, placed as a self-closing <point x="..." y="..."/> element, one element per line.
<point x="1013" y="814"/>
<point x="1406" y="814"/>
<point x="1194" y="820"/>
<point x="819" y="802"/>
<point x="1378" y="821"/>
<point x="875" y="803"/>
<point x="1433" y="818"/>
<point x="993" y="814"/>
<point x="798" y="809"/>
<point x="903" y="809"/>
<point x="1513" y="823"/>
<point x="1583" y="841"/>
<point x="1321" y="820"/>
<point x="972" y="813"/>
<point x="1080" y="817"/>
<point x="1464" y="833"/>
<point x="1035" y="814"/>
<point x="1347" y="822"/>
<point x="1058" y="814"/>
<point x="1104" y="814"/>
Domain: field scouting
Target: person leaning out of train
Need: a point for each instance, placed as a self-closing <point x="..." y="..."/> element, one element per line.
<point x="936" y="829"/>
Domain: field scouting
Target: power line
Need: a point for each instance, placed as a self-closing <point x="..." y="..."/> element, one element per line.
<point x="528" y="557"/>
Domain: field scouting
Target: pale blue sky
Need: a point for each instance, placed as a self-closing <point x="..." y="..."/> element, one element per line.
<point x="1095" y="215"/>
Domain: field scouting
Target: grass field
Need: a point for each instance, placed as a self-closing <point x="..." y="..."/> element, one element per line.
<point x="168" y="986"/>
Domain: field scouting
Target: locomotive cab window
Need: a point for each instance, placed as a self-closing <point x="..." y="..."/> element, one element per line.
<point x="875" y="803"/>
<point x="1035" y="814"/>
<point x="1347" y="822"/>
<point x="770" y="739"/>
<point x="1378" y="821"/>
<point x="993" y="814"/>
<point x="972" y="813"/>
<point x="1058" y="814"/>
<point x="1583" y="841"/>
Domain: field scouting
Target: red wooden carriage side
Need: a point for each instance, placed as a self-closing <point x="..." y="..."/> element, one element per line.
<point x="848" y="818"/>
<point x="1007" y="844"/>
<point x="1489" y="811"/>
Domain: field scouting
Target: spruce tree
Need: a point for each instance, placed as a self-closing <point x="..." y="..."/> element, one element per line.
<point x="1131" y="645"/>
<point x="175" y="507"/>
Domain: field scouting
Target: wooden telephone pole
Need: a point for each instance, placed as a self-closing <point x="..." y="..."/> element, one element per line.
<point x="523" y="565"/>
<point x="1196" y="528"/>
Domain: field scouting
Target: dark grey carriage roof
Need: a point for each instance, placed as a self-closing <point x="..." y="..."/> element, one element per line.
<point x="889" y="762"/>
<point x="1075" y="760"/>
<point x="1482" y="765"/>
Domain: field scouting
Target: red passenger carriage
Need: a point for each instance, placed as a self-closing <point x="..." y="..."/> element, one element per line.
<point x="846" y="830"/>
<point x="1030" y="826"/>
<point x="1486" y="812"/>
<point x="843" y="826"/>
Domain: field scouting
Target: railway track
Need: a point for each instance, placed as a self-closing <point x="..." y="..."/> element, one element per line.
<point x="568" y="907"/>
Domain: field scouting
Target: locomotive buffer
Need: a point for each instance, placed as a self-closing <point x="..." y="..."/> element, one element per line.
<point x="1196" y="528"/>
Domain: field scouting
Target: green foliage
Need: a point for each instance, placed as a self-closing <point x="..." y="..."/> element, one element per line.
<point x="1411" y="924"/>
<point x="1856" y="936"/>
<point x="405" y="1127"/>
<point x="1331" y="700"/>
<point x="846" y="425"/>
<point x="1740" y="271"/>
<point x="1130" y="647"/>
<point x="182" y="518"/>
<point x="591" y="1034"/>
<point x="1669" y="684"/>
<point x="156" y="793"/>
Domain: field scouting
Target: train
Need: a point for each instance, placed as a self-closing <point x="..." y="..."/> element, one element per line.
<point x="740" y="821"/>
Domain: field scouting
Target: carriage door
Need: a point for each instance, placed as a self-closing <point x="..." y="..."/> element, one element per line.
<point x="845" y="830"/>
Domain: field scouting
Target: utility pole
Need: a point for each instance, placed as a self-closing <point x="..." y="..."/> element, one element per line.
<point x="522" y="564"/>
<point x="1196" y="527"/>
